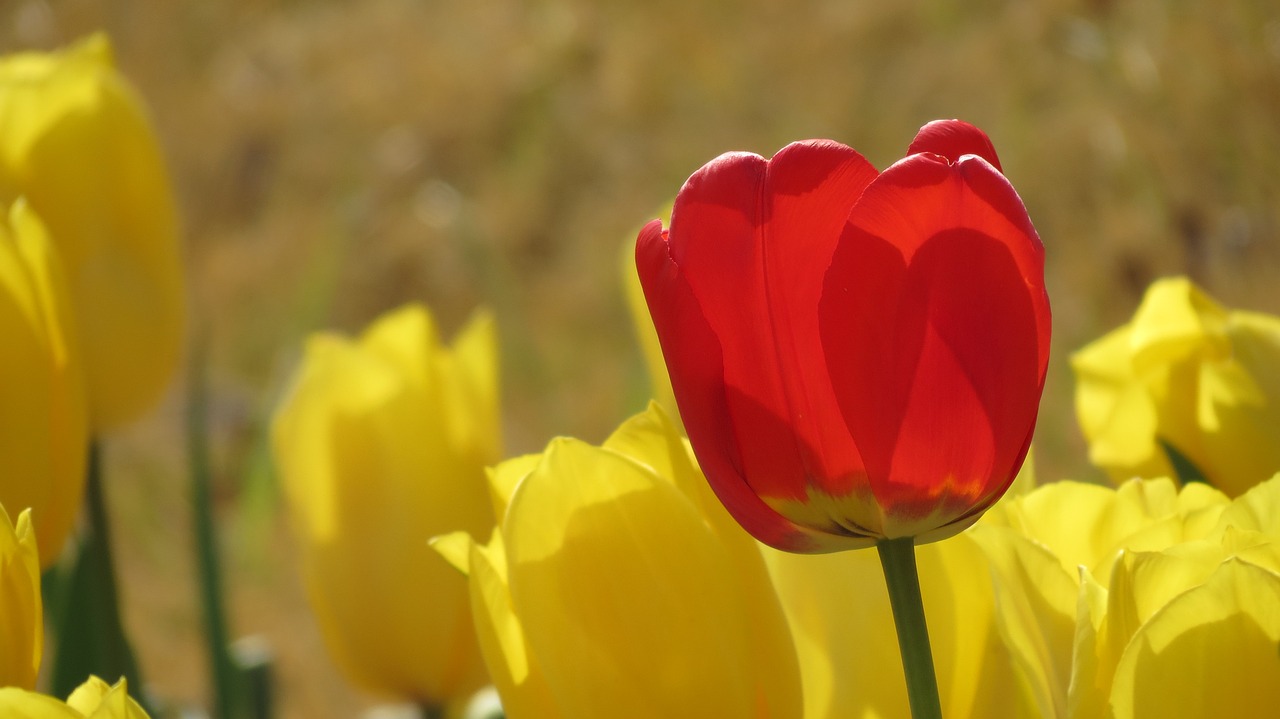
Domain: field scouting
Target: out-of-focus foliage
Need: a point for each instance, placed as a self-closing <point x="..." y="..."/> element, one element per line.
<point x="617" y="585"/>
<point x="75" y="140"/>
<point x="382" y="444"/>
<point x="1185" y="375"/>
<point x="43" y="426"/>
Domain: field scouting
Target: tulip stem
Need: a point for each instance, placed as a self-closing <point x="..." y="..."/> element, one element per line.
<point x="89" y="630"/>
<point x="898" y="559"/>
<point x="228" y="697"/>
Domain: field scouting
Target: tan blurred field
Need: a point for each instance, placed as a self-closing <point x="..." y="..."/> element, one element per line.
<point x="334" y="160"/>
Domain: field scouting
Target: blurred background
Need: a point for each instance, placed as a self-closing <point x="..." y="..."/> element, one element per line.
<point x="336" y="159"/>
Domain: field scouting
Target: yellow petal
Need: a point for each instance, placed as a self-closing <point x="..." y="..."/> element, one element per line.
<point x="76" y="142"/>
<point x="1257" y="509"/>
<point x="843" y="631"/>
<point x="16" y="703"/>
<point x="455" y="547"/>
<point x="1115" y="409"/>
<point x="43" y="418"/>
<point x="1210" y="651"/>
<point x="629" y="601"/>
<point x="505" y="476"/>
<point x="1174" y="321"/>
<point x="1090" y="686"/>
<point x="1036" y="600"/>
<point x="845" y="638"/>
<point x="96" y="700"/>
<point x="512" y="667"/>
<point x="21" y="613"/>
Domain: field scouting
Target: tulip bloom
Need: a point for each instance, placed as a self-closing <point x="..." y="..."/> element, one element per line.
<point x="75" y="140"/>
<point x="381" y="445"/>
<point x="22" y="629"/>
<point x="1106" y="593"/>
<point x="43" y="415"/>
<point x="1188" y="373"/>
<point x="94" y="699"/>
<point x="617" y="586"/>
<point x="856" y="356"/>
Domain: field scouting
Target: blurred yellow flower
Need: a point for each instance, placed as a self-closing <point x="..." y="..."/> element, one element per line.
<point x="1189" y="373"/>
<point x="94" y="699"/>
<point x="43" y="426"/>
<point x="74" y="139"/>
<point x="21" y="614"/>
<point x="381" y="445"/>
<point x="618" y="586"/>
<point x="1142" y="601"/>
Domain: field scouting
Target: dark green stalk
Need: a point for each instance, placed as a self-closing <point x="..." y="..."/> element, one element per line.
<point x="89" y="634"/>
<point x="223" y="671"/>
<point x="898" y="559"/>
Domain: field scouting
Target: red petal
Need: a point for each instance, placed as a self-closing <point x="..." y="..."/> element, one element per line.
<point x="753" y="240"/>
<point x="936" y="326"/>
<point x="953" y="139"/>
<point x="694" y="361"/>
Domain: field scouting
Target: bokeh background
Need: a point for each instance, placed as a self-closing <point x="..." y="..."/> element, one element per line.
<point x="334" y="160"/>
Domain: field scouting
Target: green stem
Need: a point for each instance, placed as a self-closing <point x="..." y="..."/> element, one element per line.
<point x="430" y="711"/>
<point x="898" y="559"/>
<point x="89" y="634"/>
<point x="222" y="668"/>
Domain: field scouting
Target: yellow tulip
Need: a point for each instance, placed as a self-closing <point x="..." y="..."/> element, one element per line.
<point x="74" y="139"/>
<point x="616" y="585"/>
<point x="381" y="445"/>
<point x="1189" y="373"/>
<point x="94" y="699"/>
<point x="43" y="426"/>
<point x="1142" y="601"/>
<point x="21" y="614"/>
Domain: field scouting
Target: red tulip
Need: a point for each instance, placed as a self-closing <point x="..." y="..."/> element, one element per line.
<point x="856" y="356"/>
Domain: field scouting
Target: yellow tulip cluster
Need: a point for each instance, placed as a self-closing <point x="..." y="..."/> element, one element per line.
<point x="92" y="314"/>
<point x="91" y="290"/>
<point x="1109" y="594"/>
<point x="609" y="581"/>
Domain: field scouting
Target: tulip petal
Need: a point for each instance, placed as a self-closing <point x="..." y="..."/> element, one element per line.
<point x="582" y="553"/>
<point x="697" y="378"/>
<point x="937" y="371"/>
<point x="21" y="611"/>
<point x="1219" y="639"/>
<point x="21" y="704"/>
<point x="733" y="288"/>
<point x="44" y="415"/>
<point x="954" y="139"/>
